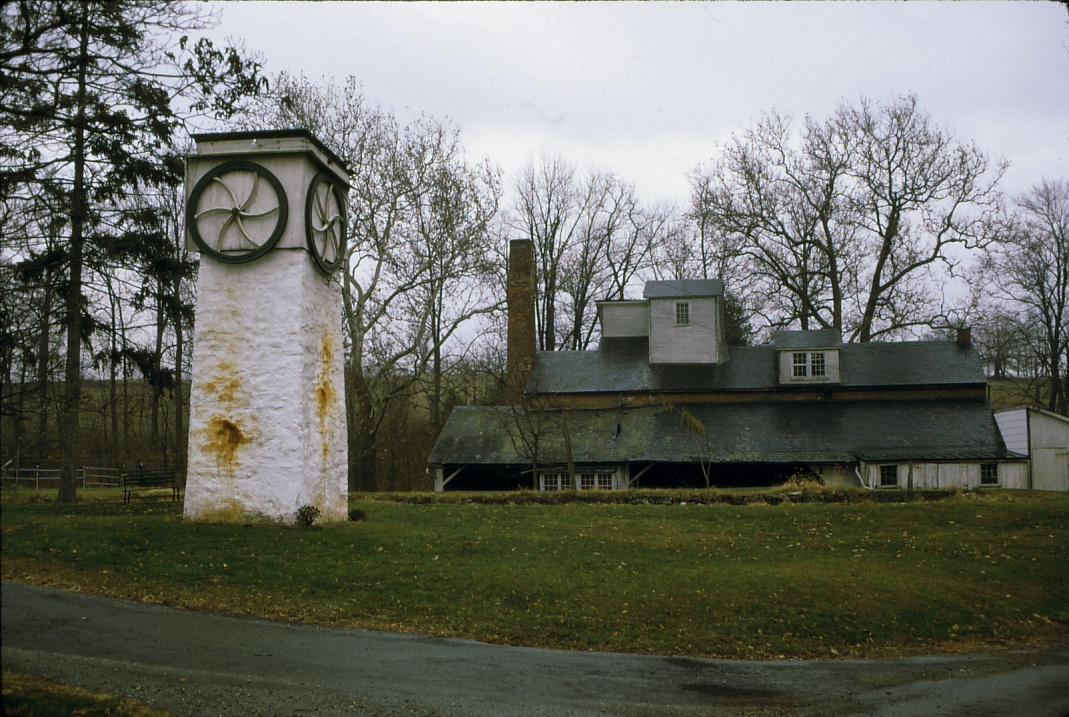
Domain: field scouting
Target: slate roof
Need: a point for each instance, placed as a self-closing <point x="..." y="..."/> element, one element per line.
<point x="783" y="432"/>
<point x="622" y="365"/>
<point x="683" y="288"/>
<point x="813" y="339"/>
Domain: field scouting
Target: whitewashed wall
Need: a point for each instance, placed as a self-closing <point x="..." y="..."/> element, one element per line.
<point x="267" y="412"/>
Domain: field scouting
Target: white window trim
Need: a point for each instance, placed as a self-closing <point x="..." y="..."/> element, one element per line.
<point x="998" y="478"/>
<point x="685" y="306"/>
<point x="811" y="356"/>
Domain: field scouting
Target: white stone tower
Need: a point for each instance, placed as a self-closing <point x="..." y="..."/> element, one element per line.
<point x="266" y="211"/>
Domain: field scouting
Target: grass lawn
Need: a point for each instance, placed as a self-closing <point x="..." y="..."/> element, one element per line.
<point x="970" y="572"/>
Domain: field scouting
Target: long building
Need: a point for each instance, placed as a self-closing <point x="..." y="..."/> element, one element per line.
<point x="665" y="402"/>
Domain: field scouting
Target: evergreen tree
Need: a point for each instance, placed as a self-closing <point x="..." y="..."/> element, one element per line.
<point x="92" y="95"/>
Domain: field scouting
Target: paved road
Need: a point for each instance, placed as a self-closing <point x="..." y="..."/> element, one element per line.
<point x="202" y="664"/>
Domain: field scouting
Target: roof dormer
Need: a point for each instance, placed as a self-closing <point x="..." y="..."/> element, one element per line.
<point x="686" y="321"/>
<point x="807" y="357"/>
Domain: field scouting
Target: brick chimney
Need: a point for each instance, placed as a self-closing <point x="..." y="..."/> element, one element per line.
<point x="964" y="337"/>
<point x="521" y="317"/>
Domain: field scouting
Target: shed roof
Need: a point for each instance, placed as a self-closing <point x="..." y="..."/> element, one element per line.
<point x="786" y="432"/>
<point x="683" y="288"/>
<point x="621" y="365"/>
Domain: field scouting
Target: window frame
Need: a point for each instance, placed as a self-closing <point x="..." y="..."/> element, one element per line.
<point x="596" y="480"/>
<point x="807" y="364"/>
<point x="984" y="468"/>
<point x="884" y="468"/>
<point x="813" y="363"/>
<point x="558" y="479"/>
<point x="682" y="313"/>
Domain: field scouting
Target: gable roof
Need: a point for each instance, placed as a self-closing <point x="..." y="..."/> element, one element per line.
<point x="812" y="339"/>
<point x="767" y="432"/>
<point x="622" y="365"/>
<point x="683" y="288"/>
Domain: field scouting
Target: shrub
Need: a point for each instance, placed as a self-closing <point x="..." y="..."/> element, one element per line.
<point x="307" y="515"/>
<point x="357" y="514"/>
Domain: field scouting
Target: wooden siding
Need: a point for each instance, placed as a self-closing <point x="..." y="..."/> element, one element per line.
<point x="1048" y="431"/>
<point x="786" y="367"/>
<point x="950" y="475"/>
<point x="630" y="318"/>
<point x="696" y="343"/>
<point x="1050" y="451"/>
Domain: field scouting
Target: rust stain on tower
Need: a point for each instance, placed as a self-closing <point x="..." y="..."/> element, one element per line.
<point x="223" y="439"/>
<point x="521" y="317"/>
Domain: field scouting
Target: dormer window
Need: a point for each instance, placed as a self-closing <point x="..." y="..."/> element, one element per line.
<point x="807" y="357"/>
<point x="682" y="313"/>
<point x="809" y="364"/>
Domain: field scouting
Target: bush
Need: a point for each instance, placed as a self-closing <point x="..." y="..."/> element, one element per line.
<point x="307" y="515"/>
<point x="357" y="514"/>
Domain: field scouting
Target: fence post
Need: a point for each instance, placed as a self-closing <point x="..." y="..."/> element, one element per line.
<point x="83" y="477"/>
<point x="37" y="477"/>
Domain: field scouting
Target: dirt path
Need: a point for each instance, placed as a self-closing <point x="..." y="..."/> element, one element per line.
<point x="203" y="664"/>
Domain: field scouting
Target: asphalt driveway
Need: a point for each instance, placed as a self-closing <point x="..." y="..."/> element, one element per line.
<point x="201" y="664"/>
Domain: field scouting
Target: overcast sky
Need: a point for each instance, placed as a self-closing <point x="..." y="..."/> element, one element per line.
<point x="648" y="89"/>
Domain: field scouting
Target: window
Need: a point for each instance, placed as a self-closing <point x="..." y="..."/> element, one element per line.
<point x="555" y="481"/>
<point x="808" y="364"/>
<point x="816" y="363"/>
<point x="889" y="476"/>
<point x="592" y="481"/>
<point x="989" y="474"/>
<point x="682" y="313"/>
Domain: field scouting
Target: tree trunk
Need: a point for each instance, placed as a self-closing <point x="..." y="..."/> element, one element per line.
<point x="42" y="364"/>
<point x="157" y="365"/>
<point x="179" y="392"/>
<point x="113" y="374"/>
<point x="72" y="375"/>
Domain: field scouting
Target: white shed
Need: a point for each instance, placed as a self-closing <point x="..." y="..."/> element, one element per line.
<point x="1043" y="437"/>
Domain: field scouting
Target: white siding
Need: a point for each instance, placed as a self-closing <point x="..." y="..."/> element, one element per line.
<point x="786" y="366"/>
<point x="1013" y="475"/>
<point x="1050" y="451"/>
<point x="1050" y="469"/>
<point x="1049" y="431"/>
<point x="1014" y="428"/>
<point x="697" y="342"/>
<point x="952" y="475"/>
<point x="631" y="318"/>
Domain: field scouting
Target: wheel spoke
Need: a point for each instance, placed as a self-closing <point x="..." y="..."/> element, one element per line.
<point x="257" y="214"/>
<point x="223" y="185"/>
<point x="319" y="202"/>
<point x="241" y="228"/>
<point x="201" y="213"/>
<point x="222" y="232"/>
<point x="252" y="192"/>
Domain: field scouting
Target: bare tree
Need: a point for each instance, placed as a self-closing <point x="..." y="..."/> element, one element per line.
<point x="1029" y="268"/>
<point x="418" y="225"/>
<point x="850" y="224"/>
<point x="453" y="251"/>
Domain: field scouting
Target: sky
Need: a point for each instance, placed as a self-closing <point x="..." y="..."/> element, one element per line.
<point x="648" y="90"/>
